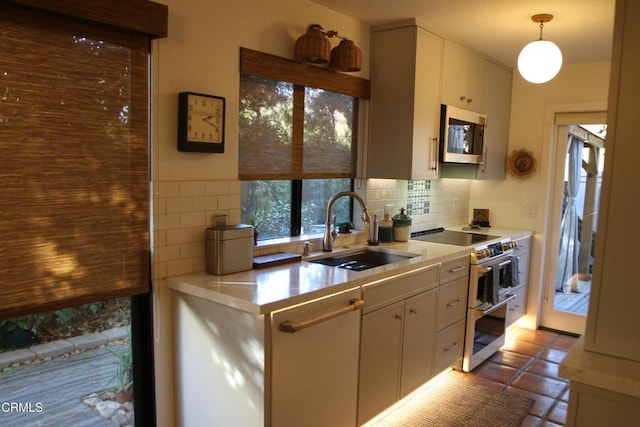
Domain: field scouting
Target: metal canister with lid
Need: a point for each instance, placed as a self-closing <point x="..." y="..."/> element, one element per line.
<point x="229" y="248"/>
<point x="401" y="226"/>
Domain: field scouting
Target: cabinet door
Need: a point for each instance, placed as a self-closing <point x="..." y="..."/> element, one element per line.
<point x="418" y="341"/>
<point x="497" y="107"/>
<point x="315" y="369"/>
<point x="405" y="104"/>
<point x="462" y="77"/>
<point x="380" y="358"/>
<point x="426" y="113"/>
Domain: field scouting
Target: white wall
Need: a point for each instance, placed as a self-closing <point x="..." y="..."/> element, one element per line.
<point x="522" y="203"/>
<point x="201" y="54"/>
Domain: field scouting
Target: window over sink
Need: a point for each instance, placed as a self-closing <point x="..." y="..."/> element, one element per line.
<point x="297" y="146"/>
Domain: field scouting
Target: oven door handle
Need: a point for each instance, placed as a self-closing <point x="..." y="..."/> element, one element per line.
<point x="507" y="262"/>
<point x="495" y="307"/>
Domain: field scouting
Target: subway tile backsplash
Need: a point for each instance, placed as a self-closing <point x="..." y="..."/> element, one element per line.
<point x="184" y="209"/>
<point x="436" y="203"/>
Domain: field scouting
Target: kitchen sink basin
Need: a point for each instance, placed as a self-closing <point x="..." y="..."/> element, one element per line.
<point x="363" y="260"/>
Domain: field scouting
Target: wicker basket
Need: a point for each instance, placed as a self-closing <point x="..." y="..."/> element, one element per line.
<point x="313" y="46"/>
<point x="346" y="57"/>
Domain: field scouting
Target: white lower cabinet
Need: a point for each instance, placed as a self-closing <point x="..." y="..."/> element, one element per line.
<point x="396" y="341"/>
<point x="449" y="346"/>
<point x="234" y="368"/>
<point x="452" y="312"/>
<point x="417" y="343"/>
<point x="452" y="302"/>
<point x="518" y="305"/>
<point x="314" y="363"/>
<point x="380" y="358"/>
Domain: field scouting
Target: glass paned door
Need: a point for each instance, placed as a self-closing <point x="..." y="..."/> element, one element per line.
<point x="574" y="212"/>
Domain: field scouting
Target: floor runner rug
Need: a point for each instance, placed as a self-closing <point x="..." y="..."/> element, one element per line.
<point x="451" y="402"/>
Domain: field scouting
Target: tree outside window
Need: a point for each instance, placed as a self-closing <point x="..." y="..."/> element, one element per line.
<point x="296" y="150"/>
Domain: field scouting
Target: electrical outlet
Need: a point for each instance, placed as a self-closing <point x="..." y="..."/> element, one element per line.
<point x="528" y="209"/>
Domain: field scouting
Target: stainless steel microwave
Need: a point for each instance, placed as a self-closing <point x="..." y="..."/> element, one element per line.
<point x="462" y="136"/>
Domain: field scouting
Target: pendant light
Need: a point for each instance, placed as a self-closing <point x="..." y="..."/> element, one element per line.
<point x="540" y="60"/>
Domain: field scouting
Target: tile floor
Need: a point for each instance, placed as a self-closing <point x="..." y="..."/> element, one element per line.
<point x="528" y="365"/>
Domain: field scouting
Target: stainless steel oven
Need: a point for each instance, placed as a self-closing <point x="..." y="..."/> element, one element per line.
<point x="494" y="272"/>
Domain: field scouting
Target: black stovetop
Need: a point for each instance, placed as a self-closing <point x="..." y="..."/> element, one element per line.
<point x="449" y="237"/>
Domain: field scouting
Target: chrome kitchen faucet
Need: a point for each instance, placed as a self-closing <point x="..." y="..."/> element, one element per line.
<point x="330" y="235"/>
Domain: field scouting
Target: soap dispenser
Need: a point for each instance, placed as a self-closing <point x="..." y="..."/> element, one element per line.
<point x="385" y="233"/>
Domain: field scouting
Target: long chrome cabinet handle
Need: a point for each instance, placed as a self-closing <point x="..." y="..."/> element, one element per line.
<point x="291" y="327"/>
<point x="435" y="142"/>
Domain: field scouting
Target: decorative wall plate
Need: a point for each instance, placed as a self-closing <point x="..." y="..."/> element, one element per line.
<point x="521" y="163"/>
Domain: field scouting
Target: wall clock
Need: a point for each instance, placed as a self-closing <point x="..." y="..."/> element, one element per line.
<point x="201" y="122"/>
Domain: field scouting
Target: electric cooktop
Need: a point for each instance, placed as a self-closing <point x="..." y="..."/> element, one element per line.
<point x="449" y="237"/>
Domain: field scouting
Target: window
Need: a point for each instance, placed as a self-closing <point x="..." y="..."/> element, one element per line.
<point x="75" y="179"/>
<point x="268" y="205"/>
<point x="297" y="148"/>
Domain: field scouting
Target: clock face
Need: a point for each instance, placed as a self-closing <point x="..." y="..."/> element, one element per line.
<point x="200" y="122"/>
<point x="205" y="118"/>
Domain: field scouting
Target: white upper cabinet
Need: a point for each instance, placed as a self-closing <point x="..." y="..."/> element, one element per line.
<point x="497" y="107"/>
<point x="413" y="72"/>
<point x="405" y="103"/>
<point x="462" y="78"/>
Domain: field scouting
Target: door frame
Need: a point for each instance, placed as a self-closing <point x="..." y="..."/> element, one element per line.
<point x="561" y="119"/>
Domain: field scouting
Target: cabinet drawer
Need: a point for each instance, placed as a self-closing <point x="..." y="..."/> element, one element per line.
<point x="449" y="346"/>
<point x="396" y="288"/>
<point x="518" y="306"/>
<point x="452" y="302"/>
<point x="454" y="269"/>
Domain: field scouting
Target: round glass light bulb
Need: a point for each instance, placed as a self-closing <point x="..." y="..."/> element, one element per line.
<point x="539" y="61"/>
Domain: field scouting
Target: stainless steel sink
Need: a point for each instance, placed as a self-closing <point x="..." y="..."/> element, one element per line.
<point x="362" y="260"/>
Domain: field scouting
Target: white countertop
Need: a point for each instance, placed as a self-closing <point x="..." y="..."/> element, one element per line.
<point x="601" y="370"/>
<point x="264" y="290"/>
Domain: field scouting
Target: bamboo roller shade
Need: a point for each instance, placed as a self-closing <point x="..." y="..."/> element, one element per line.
<point x="74" y="205"/>
<point x="265" y="154"/>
